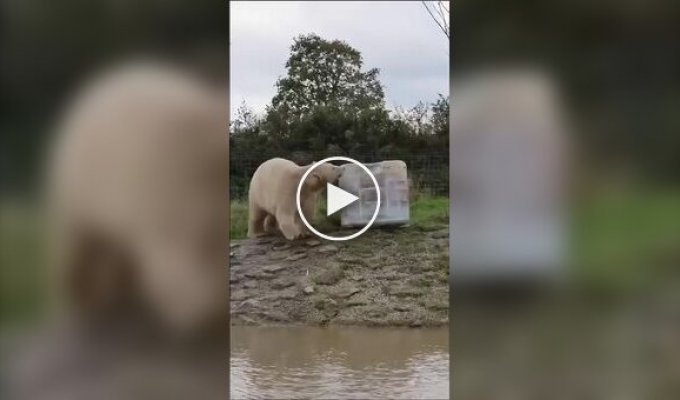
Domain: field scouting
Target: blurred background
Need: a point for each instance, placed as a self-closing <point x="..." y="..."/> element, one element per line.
<point x="609" y="330"/>
<point x="49" y="50"/>
<point x="565" y="199"/>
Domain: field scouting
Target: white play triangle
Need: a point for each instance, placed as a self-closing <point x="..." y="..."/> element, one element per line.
<point x="337" y="199"/>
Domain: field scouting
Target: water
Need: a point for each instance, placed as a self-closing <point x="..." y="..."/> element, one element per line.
<point x="339" y="363"/>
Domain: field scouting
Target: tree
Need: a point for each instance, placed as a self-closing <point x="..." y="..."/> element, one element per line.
<point x="245" y="120"/>
<point x="440" y="116"/>
<point x="439" y="11"/>
<point x="329" y="74"/>
<point x="416" y="118"/>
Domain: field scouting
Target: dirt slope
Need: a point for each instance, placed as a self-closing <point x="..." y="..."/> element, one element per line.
<point x="386" y="277"/>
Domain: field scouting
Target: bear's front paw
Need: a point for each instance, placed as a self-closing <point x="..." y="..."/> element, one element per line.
<point x="290" y="235"/>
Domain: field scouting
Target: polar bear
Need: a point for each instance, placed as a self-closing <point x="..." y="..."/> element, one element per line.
<point x="138" y="184"/>
<point x="271" y="196"/>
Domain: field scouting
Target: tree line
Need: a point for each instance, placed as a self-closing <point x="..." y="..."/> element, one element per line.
<point x="328" y="105"/>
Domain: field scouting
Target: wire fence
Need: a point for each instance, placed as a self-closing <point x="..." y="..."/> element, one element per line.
<point x="428" y="172"/>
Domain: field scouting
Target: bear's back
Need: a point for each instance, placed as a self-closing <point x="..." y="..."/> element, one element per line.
<point x="274" y="182"/>
<point x="137" y="139"/>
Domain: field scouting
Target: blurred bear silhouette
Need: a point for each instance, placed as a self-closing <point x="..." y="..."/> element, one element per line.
<point x="138" y="195"/>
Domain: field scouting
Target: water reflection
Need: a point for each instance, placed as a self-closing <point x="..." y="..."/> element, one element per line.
<point x="339" y="362"/>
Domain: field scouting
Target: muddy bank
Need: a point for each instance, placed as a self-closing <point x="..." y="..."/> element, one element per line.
<point x="386" y="277"/>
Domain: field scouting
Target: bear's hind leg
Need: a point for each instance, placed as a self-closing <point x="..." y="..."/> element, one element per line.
<point x="270" y="225"/>
<point x="97" y="273"/>
<point x="256" y="220"/>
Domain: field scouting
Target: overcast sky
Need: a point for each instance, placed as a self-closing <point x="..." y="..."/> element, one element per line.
<point x="400" y="38"/>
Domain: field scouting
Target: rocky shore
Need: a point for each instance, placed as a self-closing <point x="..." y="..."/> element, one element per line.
<point x="386" y="277"/>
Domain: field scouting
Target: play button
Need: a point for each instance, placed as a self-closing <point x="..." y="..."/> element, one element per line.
<point x="337" y="199"/>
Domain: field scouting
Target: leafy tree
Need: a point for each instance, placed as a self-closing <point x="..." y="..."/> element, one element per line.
<point x="417" y="118"/>
<point x="440" y="116"/>
<point x="244" y="120"/>
<point x="326" y="73"/>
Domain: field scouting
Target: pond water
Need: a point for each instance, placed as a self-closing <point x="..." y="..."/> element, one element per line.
<point x="339" y="363"/>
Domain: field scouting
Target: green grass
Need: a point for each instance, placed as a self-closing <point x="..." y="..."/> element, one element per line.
<point x="238" y="226"/>
<point x="430" y="212"/>
<point x="624" y="241"/>
<point x="22" y="261"/>
<point x="427" y="213"/>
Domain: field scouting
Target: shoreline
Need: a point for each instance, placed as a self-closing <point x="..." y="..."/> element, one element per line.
<point x="385" y="278"/>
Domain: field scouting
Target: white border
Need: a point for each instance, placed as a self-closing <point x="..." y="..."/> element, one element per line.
<point x="302" y="215"/>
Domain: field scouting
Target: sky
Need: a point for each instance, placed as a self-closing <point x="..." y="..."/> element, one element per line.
<point x="398" y="37"/>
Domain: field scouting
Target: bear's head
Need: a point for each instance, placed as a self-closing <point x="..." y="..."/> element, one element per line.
<point x="324" y="173"/>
